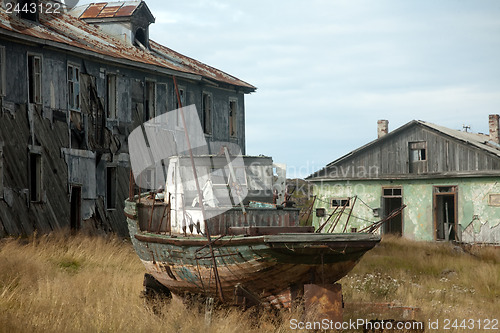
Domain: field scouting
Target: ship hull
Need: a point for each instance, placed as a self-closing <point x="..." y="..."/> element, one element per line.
<point x="267" y="266"/>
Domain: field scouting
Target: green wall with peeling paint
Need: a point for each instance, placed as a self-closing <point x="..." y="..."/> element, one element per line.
<point x="472" y="203"/>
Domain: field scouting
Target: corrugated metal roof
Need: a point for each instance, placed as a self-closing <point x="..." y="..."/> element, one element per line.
<point x="68" y="31"/>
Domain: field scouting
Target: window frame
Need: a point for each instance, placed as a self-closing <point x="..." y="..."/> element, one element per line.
<point x="340" y="199"/>
<point x="233" y="118"/>
<point x="3" y="76"/>
<point x="207" y="121"/>
<point x="35" y="194"/>
<point x="176" y="102"/>
<point x="32" y="99"/>
<point x="111" y="187"/>
<point x="152" y="113"/>
<point x="417" y="146"/>
<point x="111" y="96"/>
<point x="78" y="96"/>
<point x="1" y="170"/>
<point x="392" y="188"/>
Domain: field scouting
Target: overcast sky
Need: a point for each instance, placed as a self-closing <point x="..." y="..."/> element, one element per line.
<point x="327" y="70"/>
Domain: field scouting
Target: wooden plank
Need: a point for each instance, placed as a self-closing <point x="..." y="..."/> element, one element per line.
<point x="271" y="230"/>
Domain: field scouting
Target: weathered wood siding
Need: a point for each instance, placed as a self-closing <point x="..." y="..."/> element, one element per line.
<point x="76" y="148"/>
<point x="390" y="157"/>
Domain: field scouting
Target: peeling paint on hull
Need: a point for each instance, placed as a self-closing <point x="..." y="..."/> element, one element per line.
<point x="267" y="265"/>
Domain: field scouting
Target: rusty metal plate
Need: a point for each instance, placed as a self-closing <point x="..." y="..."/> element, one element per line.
<point x="125" y="11"/>
<point x="109" y="11"/>
<point x="323" y="301"/>
<point x="93" y="10"/>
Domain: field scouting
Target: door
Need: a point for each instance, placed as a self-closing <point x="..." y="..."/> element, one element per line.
<point x="445" y="217"/>
<point x="76" y="207"/>
<point x="392" y="199"/>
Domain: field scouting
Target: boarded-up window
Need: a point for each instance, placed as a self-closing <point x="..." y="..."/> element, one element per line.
<point x="35" y="176"/>
<point x="207" y="113"/>
<point x="233" y="123"/>
<point x="417" y="157"/>
<point x="73" y="87"/>
<point x="35" y="79"/>
<point x="494" y="199"/>
<point x="2" y="71"/>
<point x="111" y="95"/>
<point x="150" y="99"/>
<point x="111" y="187"/>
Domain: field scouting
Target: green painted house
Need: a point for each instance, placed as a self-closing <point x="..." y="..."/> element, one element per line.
<point x="447" y="180"/>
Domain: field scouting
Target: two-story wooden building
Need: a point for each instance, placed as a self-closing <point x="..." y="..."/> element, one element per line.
<point x="448" y="179"/>
<point x="73" y="85"/>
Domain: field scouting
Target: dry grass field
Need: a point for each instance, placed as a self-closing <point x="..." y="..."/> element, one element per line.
<point x="64" y="283"/>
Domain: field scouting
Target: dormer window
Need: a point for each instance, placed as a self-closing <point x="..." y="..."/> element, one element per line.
<point x="126" y="20"/>
<point x="141" y="40"/>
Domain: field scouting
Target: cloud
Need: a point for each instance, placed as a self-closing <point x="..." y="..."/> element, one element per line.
<point x="327" y="70"/>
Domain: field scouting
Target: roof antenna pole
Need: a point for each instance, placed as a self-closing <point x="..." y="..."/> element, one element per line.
<point x="200" y="197"/>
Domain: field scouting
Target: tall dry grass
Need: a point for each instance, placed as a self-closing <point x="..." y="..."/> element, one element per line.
<point x="443" y="280"/>
<point x="64" y="283"/>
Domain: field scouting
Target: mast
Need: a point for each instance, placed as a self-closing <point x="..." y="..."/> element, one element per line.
<point x="200" y="196"/>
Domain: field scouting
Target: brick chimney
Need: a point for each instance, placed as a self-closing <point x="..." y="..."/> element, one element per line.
<point x="494" y="128"/>
<point x="382" y="127"/>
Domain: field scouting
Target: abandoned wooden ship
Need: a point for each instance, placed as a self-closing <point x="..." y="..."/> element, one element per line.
<point x="216" y="228"/>
<point x="238" y="245"/>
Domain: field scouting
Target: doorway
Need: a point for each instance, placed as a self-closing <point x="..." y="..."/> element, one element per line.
<point x="392" y="199"/>
<point x="76" y="207"/>
<point x="445" y="216"/>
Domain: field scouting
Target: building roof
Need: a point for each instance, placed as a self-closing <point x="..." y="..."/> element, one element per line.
<point x="63" y="31"/>
<point x="119" y="9"/>
<point x="478" y="140"/>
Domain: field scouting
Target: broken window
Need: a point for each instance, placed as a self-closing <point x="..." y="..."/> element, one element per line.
<point x="183" y="102"/>
<point x="73" y="87"/>
<point x="340" y="202"/>
<point x="2" y="70"/>
<point x="140" y="39"/>
<point x="182" y="97"/>
<point x="111" y="187"/>
<point x="150" y="99"/>
<point x="417" y="157"/>
<point x="35" y="79"/>
<point x="233" y="124"/>
<point x="417" y="151"/>
<point x="35" y="177"/>
<point x="111" y="95"/>
<point x="207" y="113"/>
